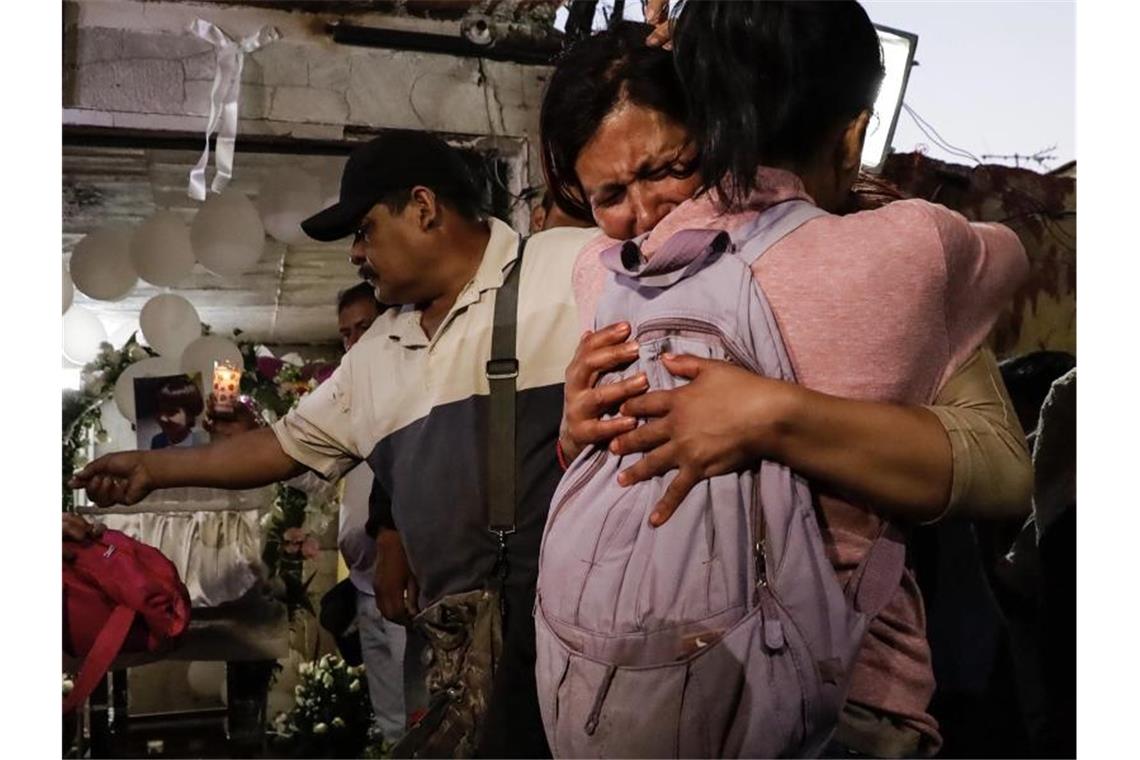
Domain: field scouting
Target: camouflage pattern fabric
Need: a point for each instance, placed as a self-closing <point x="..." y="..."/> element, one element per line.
<point x="465" y="635"/>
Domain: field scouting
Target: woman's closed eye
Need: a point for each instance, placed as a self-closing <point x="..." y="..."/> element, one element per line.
<point x="608" y="198"/>
<point x="676" y="169"/>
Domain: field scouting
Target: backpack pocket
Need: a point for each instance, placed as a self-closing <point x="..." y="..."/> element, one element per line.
<point x="596" y="710"/>
<point x="749" y="693"/>
<point x="686" y="336"/>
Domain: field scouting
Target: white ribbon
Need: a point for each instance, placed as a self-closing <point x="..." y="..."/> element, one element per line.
<point x="223" y="102"/>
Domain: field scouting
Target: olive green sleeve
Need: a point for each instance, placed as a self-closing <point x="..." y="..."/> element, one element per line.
<point x="993" y="475"/>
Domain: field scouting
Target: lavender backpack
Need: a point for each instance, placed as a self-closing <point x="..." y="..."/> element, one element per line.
<point x="725" y="632"/>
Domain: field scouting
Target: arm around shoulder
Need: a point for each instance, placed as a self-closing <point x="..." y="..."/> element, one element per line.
<point x="992" y="472"/>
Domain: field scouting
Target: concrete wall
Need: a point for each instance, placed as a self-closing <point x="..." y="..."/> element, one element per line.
<point x="135" y="65"/>
<point x="1042" y="210"/>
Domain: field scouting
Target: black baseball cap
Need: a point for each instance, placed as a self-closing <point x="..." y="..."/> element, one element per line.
<point x="393" y="161"/>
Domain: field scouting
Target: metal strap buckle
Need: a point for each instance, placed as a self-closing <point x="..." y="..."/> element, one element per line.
<point x="502" y="369"/>
<point x="502" y="533"/>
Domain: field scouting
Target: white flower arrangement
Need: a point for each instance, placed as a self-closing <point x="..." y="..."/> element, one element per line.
<point x="331" y="716"/>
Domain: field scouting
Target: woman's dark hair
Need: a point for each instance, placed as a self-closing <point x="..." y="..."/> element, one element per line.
<point x="181" y="393"/>
<point x="590" y="79"/>
<point x="766" y="81"/>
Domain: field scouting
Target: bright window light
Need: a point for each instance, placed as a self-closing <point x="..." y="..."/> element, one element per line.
<point x="72" y="378"/>
<point x="898" y="55"/>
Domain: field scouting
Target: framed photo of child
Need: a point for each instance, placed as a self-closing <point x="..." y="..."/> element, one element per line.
<point x="169" y="412"/>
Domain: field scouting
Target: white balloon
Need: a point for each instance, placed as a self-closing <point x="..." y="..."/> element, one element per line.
<point x="205" y="678"/>
<point x="156" y="366"/>
<point x="288" y="197"/>
<point x="227" y="235"/>
<point x="101" y="265"/>
<point x="330" y="184"/>
<point x="161" y="250"/>
<point x="68" y="290"/>
<point x="82" y="334"/>
<point x="201" y="355"/>
<point x="169" y="323"/>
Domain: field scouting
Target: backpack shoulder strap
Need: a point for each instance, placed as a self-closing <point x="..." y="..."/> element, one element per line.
<point x="773" y="225"/>
<point x="103" y="653"/>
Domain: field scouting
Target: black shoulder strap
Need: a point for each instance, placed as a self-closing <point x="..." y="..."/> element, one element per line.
<point x="502" y="372"/>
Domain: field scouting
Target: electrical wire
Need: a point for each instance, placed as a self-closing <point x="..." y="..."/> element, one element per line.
<point x="933" y="135"/>
<point x="1039" y="207"/>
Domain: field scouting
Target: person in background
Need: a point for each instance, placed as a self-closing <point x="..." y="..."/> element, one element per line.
<point x="179" y="404"/>
<point x="395" y="675"/>
<point x="1029" y="379"/>
<point x="1035" y="579"/>
<point x="547" y="215"/>
<point x="391" y="653"/>
<point x="1055" y="516"/>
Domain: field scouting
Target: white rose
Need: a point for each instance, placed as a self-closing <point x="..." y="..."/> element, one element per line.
<point x="337" y="722"/>
<point x="354" y="686"/>
<point x="320" y="728"/>
<point x="68" y="685"/>
<point x="299" y="691"/>
<point x="327" y="680"/>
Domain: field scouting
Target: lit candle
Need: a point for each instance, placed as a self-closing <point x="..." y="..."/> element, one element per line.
<point x="227" y="385"/>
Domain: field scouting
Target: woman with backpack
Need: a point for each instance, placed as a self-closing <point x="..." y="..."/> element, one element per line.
<point x="880" y="312"/>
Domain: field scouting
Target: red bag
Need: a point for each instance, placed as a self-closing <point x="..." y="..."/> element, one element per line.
<point x="119" y="595"/>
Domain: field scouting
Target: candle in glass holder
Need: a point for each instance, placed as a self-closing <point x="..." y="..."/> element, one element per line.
<point x="227" y="385"/>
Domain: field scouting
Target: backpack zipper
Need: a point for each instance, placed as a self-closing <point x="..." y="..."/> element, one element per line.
<point x="666" y="324"/>
<point x="759" y="553"/>
<point x="740" y="357"/>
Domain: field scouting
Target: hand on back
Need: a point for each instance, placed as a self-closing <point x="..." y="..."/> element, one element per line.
<point x="586" y="402"/>
<point x="657" y="14"/>
<point x="720" y="422"/>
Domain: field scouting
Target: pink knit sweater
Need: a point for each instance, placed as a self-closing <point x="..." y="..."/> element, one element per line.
<point x="880" y="305"/>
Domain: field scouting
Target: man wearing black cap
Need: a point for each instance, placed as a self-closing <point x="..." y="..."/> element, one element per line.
<point x="412" y="397"/>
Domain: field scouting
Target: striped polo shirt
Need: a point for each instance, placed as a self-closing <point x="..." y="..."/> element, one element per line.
<point x="417" y="410"/>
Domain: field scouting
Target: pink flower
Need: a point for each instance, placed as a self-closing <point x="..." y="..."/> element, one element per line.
<point x="310" y="548"/>
<point x="268" y="366"/>
<point x="319" y="371"/>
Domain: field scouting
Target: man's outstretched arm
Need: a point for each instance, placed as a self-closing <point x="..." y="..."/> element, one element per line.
<point x="248" y="460"/>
